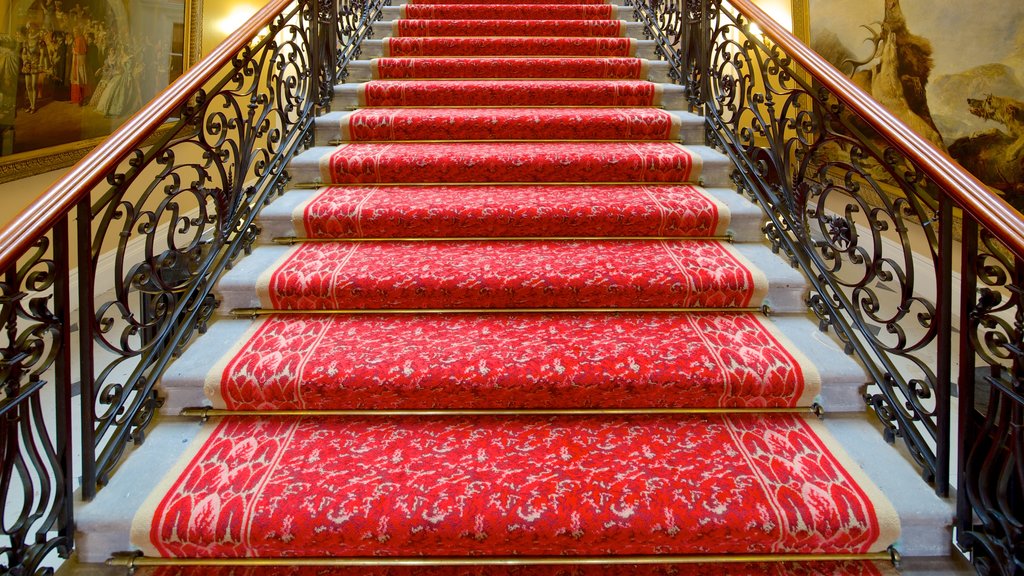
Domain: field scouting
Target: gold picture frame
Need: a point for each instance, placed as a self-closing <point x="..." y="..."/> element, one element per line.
<point x="52" y="42"/>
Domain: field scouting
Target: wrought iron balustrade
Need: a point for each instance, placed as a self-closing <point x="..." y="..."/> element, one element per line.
<point x="128" y="246"/>
<point x="872" y="213"/>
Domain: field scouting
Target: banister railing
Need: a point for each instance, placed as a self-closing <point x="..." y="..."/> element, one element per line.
<point x="872" y="212"/>
<point x="132" y="239"/>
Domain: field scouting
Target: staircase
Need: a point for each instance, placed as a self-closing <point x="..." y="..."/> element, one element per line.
<point x="506" y="317"/>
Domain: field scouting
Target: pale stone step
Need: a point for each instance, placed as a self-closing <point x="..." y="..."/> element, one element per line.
<point x="102" y="525"/>
<point x="362" y="71"/>
<point x="395" y="12"/>
<point x="385" y="28"/>
<point x="787" y="287"/>
<point x="374" y="48"/>
<point x="329" y="127"/>
<point x="672" y="97"/>
<point x="746" y="218"/>
<point x="716" y="169"/>
<point x="842" y="379"/>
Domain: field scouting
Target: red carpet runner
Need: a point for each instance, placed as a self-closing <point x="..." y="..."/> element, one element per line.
<point x="739" y="569"/>
<point x="461" y="191"/>
<point x="516" y="486"/>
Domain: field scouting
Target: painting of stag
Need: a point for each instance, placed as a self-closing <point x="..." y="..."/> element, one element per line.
<point x="952" y="71"/>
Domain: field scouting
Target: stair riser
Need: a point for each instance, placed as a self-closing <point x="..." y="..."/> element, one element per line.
<point x="612" y="2"/>
<point x="668" y="96"/>
<point x="530" y="163"/>
<point x="366" y="70"/>
<point x="842" y="380"/>
<point x="475" y="214"/>
<point x="630" y="29"/>
<point x="470" y="276"/>
<point x="644" y="49"/>
<point x="501" y="124"/>
<point x="524" y="12"/>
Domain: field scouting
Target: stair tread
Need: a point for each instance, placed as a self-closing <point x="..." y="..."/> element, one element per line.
<point x="502" y="211"/>
<point x="809" y="568"/>
<point x="615" y="68"/>
<point x="495" y="27"/>
<point x="511" y="211"/>
<point x="467" y="124"/>
<point x="198" y="378"/>
<point x="484" y="11"/>
<point x="510" y="274"/>
<point x="510" y="46"/>
<point x="511" y="162"/>
<point x="503" y="93"/>
<point x="310" y="362"/>
<point x="516" y="486"/>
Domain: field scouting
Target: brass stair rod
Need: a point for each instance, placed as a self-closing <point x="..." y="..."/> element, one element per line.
<point x="131" y="561"/>
<point x="206" y="412"/>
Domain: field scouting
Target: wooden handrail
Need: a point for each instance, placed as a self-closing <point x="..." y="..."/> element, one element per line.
<point x="43" y="214"/>
<point x="991" y="211"/>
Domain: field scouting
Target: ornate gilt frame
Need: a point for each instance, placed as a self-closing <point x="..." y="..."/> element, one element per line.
<point x="25" y="164"/>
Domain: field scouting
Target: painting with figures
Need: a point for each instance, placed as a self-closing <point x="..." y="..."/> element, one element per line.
<point x="74" y="70"/>
<point x="952" y="70"/>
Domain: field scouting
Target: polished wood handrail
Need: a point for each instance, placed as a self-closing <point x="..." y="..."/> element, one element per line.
<point x="1004" y="222"/>
<point x="57" y="201"/>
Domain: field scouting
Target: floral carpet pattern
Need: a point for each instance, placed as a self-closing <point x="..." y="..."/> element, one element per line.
<point x="511" y="224"/>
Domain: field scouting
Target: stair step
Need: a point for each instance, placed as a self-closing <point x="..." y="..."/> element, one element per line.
<point x="474" y="362"/>
<point x="512" y="274"/>
<point x="805" y="568"/>
<point x="506" y="93"/>
<point x="505" y="2"/>
<point x="103" y="525"/>
<point x="512" y="162"/>
<point x="466" y="124"/>
<point x="498" y="67"/>
<point x="508" y="46"/>
<point x="502" y="3"/>
<point x="481" y="11"/>
<point x="510" y="211"/>
<point x="196" y="379"/>
<point x="515" y="486"/>
<point x="518" y="28"/>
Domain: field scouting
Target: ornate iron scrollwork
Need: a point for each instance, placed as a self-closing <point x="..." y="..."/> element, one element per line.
<point x="34" y="430"/>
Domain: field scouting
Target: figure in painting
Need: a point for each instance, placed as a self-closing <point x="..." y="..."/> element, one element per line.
<point x="79" y="74"/>
<point x="118" y="90"/>
<point x="35" y="63"/>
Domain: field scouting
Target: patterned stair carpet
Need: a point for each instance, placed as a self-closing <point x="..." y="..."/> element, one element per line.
<point x="539" y="244"/>
<point x="848" y="568"/>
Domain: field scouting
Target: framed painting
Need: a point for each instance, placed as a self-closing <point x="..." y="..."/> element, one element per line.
<point x="71" y="71"/>
<point x="952" y="70"/>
